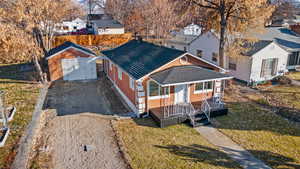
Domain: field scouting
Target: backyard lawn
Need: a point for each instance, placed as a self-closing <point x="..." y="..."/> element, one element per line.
<point x="265" y="134"/>
<point x="21" y="93"/>
<point x="174" y="147"/>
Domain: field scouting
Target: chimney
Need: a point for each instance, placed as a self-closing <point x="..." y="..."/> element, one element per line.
<point x="295" y="28"/>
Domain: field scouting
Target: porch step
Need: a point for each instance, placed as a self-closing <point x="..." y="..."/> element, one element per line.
<point x="202" y="122"/>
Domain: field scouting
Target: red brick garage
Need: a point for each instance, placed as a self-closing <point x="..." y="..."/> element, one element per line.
<point x="70" y="61"/>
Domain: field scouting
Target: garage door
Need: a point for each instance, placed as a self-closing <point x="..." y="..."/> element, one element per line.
<point x="79" y="69"/>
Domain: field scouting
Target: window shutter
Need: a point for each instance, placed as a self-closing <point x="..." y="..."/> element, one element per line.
<point x="262" y="73"/>
<point x="274" y="68"/>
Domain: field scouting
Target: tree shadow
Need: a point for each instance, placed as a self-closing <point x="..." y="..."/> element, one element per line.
<point x="199" y="153"/>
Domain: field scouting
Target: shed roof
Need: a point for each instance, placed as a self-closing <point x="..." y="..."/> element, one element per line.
<point x="65" y="46"/>
<point x="186" y="74"/>
<point x="108" y="23"/>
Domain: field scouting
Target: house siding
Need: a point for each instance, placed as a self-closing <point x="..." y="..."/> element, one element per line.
<point x="208" y="43"/>
<point x="55" y="66"/>
<point x="123" y="84"/>
<point x="155" y="103"/>
<point x="243" y="68"/>
<point x="271" y="51"/>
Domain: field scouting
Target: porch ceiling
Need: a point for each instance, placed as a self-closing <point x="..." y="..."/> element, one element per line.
<point x="187" y="74"/>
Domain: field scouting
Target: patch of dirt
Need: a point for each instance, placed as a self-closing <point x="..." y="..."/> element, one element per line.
<point x="80" y="141"/>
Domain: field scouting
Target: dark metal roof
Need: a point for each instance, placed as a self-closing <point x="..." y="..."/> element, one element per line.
<point x="66" y="45"/>
<point x="138" y="58"/>
<point x="107" y="23"/>
<point x="183" y="74"/>
<point x="256" y="46"/>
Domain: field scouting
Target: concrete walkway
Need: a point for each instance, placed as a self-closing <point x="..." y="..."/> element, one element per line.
<point x="236" y="152"/>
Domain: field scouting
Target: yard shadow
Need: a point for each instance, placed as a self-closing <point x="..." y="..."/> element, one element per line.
<point x="24" y="73"/>
<point x="199" y="153"/>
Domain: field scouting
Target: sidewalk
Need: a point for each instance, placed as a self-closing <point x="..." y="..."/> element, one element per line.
<point x="233" y="150"/>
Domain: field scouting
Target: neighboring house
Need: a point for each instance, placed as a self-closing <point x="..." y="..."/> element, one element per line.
<point x="70" y="61"/>
<point x="169" y="84"/>
<point x="105" y="24"/>
<point x="192" y="29"/>
<point x="205" y="46"/>
<point x="70" y="26"/>
<point x="288" y="40"/>
<point x="263" y="61"/>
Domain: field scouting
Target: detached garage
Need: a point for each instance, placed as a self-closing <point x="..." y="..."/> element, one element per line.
<point x="70" y="61"/>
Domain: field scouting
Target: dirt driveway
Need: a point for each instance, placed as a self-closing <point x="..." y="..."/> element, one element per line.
<point x="81" y="135"/>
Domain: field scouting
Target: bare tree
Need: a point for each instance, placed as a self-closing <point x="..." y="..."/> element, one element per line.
<point x="230" y="17"/>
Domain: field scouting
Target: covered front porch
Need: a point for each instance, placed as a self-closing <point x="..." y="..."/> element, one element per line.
<point x="187" y="93"/>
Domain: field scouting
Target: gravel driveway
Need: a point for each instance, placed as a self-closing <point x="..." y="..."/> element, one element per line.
<point x="81" y="136"/>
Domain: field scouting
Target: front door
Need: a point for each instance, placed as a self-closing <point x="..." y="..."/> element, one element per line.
<point x="181" y="94"/>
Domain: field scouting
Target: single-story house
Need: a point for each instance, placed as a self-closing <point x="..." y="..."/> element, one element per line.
<point x="263" y="61"/>
<point x="70" y="61"/>
<point x="70" y="26"/>
<point x="107" y="26"/>
<point x="168" y="84"/>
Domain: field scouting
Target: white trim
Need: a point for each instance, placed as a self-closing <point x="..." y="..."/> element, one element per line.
<point x="51" y="56"/>
<point x="159" y="88"/>
<point x="204" y="90"/>
<point x="199" y="81"/>
<point x="131" y="83"/>
<point x="127" y="100"/>
<point x="120" y="74"/>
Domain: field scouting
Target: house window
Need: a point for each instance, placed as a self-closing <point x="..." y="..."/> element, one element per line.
<point x="269" y="67"/>
<point x="155" y="91"/>
<point x="131" y="83"/>
<point x="203" y="87"/>
<point x="119" y="73"/>
<point x="199" y="53"/>
<point x="232" y="66"/>
<point x="184" y="49"/>
<point x="214" y="57"/>
<point x="294" y="59"/>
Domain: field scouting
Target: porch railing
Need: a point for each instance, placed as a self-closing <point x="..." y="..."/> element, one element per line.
<point x="179" y="109"/>
<point x="206" y="109"/>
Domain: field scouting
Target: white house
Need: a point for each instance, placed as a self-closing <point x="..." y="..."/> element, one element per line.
<point x="192" y="29"/>
<point x="205" y="45"/>
<point x="263" y="61"/>
<point x="70" y="26"/>
<point x="107" y="26"/>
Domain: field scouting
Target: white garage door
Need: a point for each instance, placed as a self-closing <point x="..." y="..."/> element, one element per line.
<point x="79" y="68"/>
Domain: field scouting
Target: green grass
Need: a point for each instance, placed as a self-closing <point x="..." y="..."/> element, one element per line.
<point x="22" y="94"/>
<point x="294" y="75"/>
<point x="265" y="134"/>
<point x="175" y="147"/>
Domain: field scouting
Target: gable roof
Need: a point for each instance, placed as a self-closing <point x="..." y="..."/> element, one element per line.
<point x="66" y="45"/>
<point x="138" y="58"/>
<point x="256" y="46"/>
<point x="284" y="37"/>
<point x="190" y="74"/>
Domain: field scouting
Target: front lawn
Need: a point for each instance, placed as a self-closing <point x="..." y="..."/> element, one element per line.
<point x="265" y="134"/>
<point x="21" y="93"/>
<point x="175" y="147"/>
<point x="294" y="75"/>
